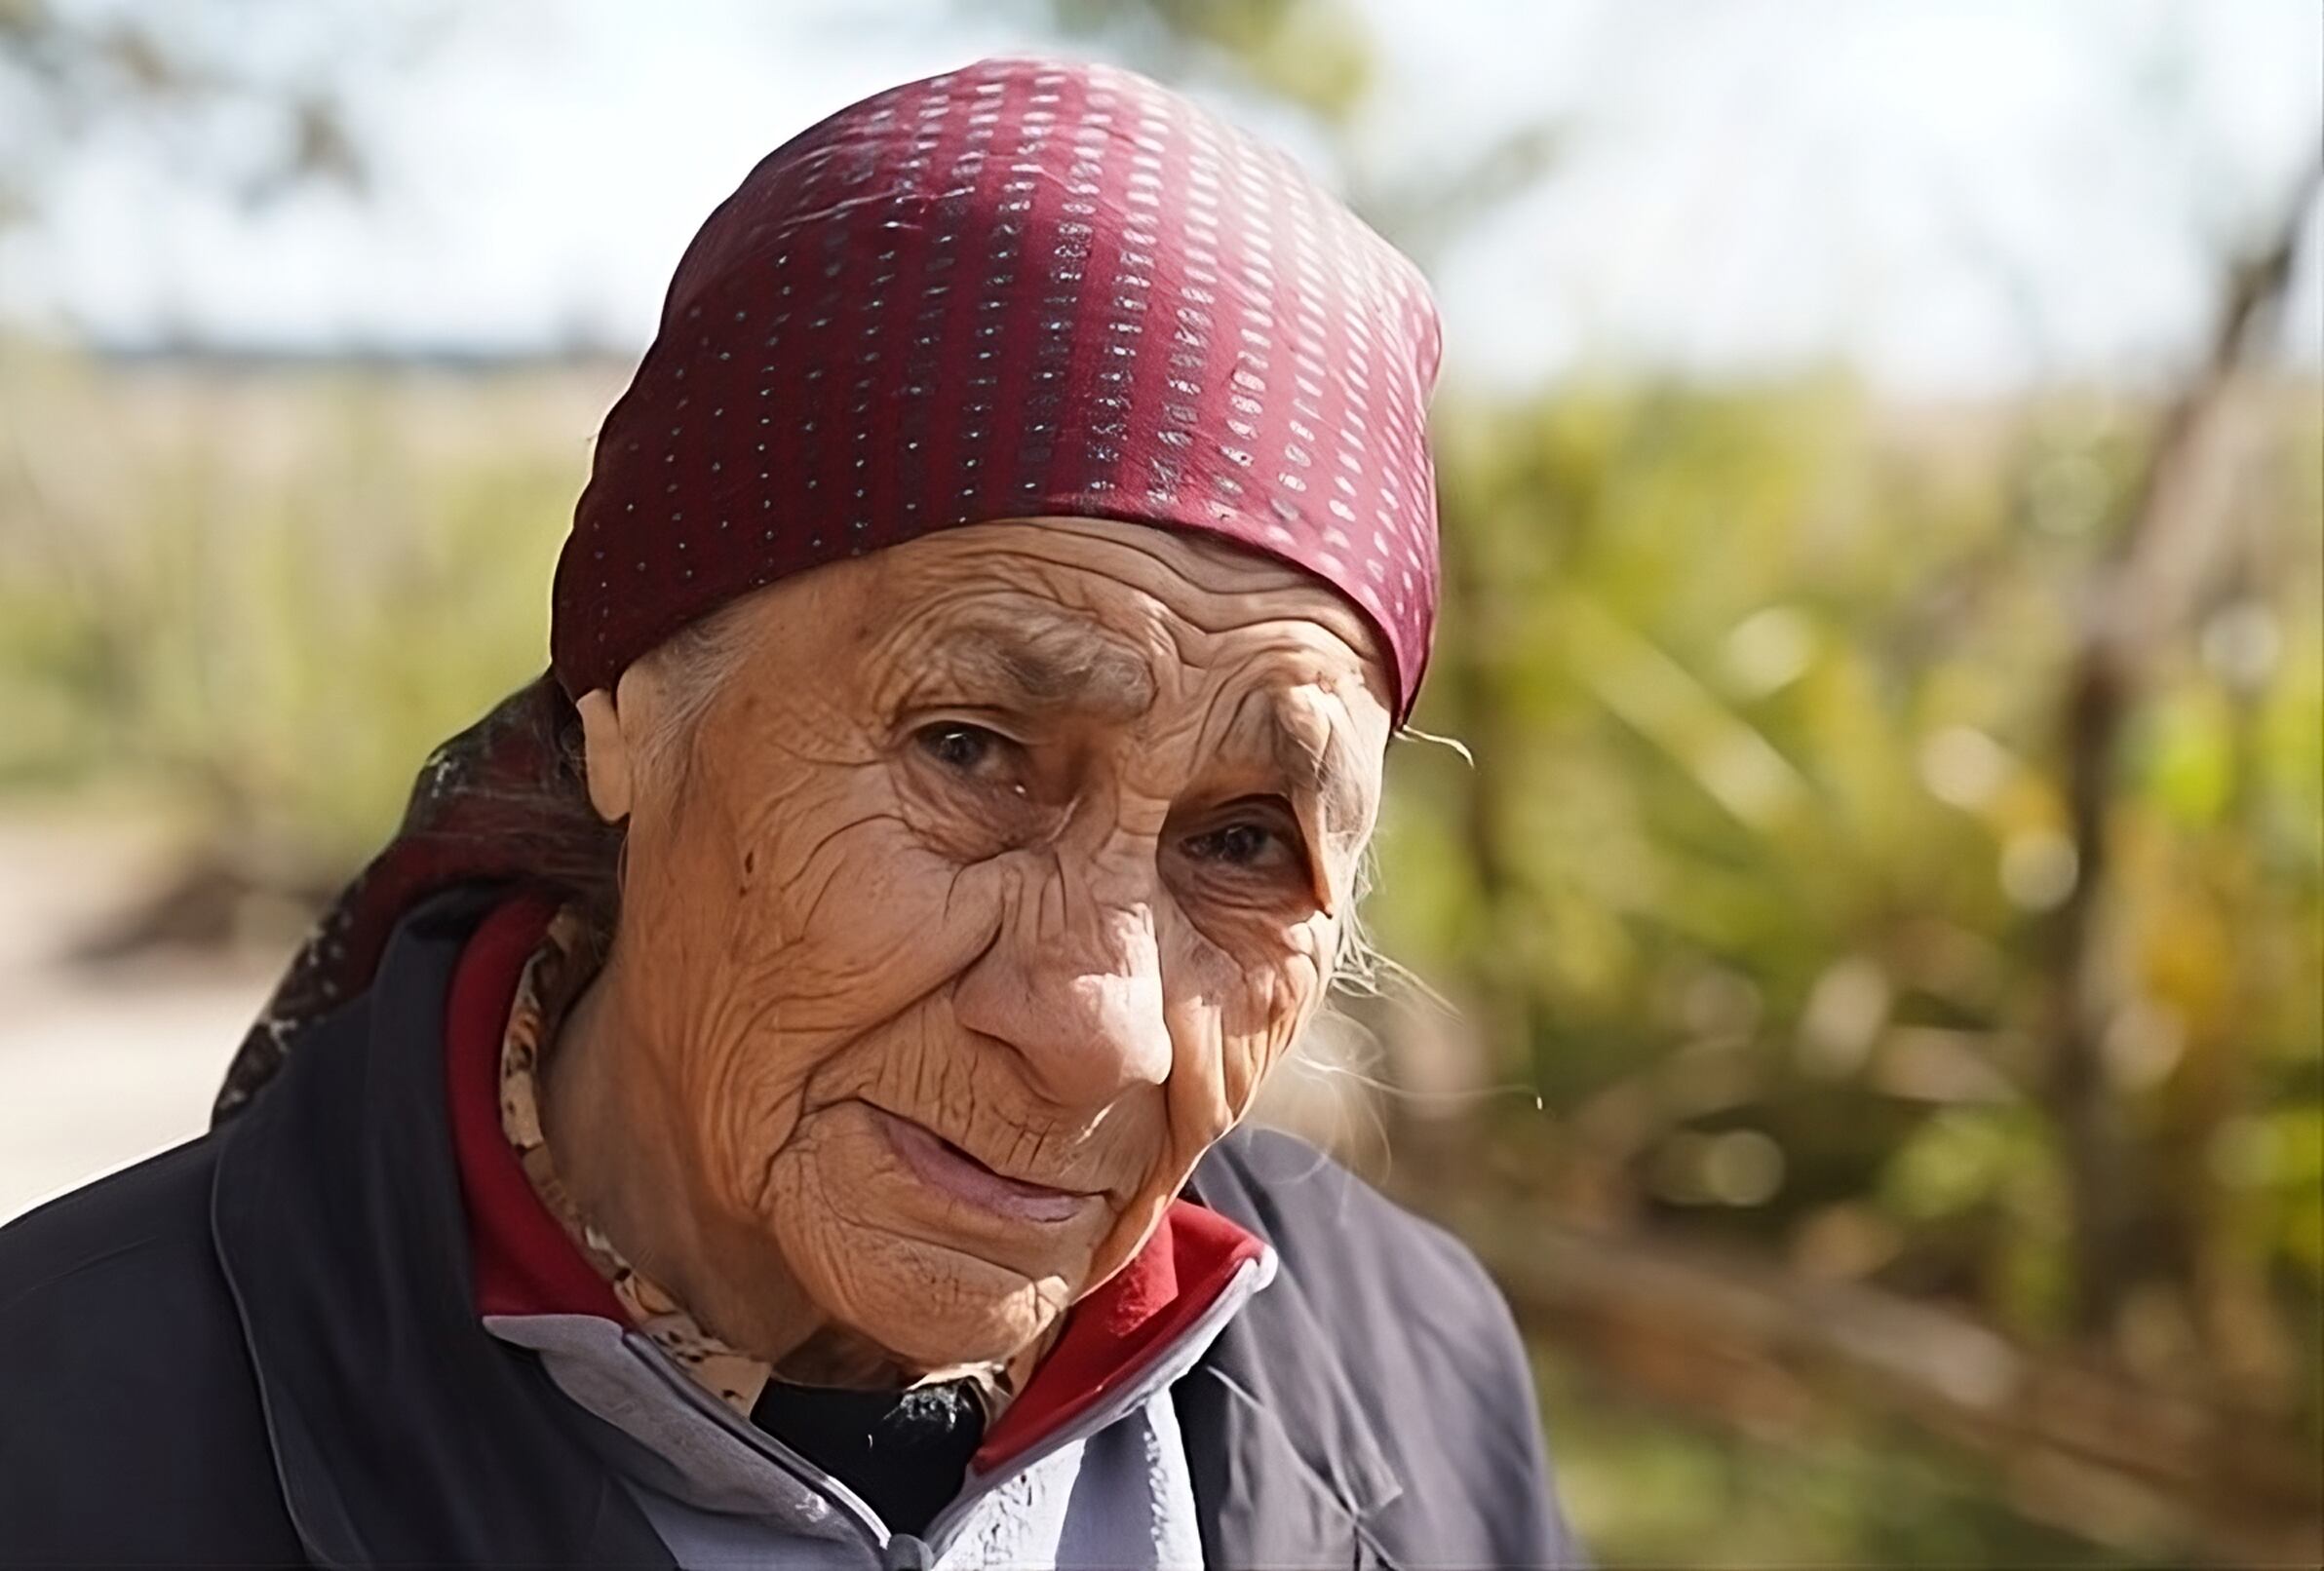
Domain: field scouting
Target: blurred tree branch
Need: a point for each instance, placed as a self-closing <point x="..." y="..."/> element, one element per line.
<point x="1781" y="1359"/>
<point x="74" y="73"/>
<point x="2149" y="574"/>
<point x="1426" y="217"/>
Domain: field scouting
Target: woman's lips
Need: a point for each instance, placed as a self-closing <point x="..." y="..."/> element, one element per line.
<point x="944" y="1165"/>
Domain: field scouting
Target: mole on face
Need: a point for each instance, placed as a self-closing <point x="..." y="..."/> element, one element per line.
<point x="1037" y="889"/>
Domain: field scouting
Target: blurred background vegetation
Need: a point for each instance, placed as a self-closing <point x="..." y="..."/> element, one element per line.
<point x="1879" y="885"/>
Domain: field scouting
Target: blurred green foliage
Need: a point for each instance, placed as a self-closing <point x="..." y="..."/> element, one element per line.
<point x="1749" y="879"/>
<point x="1650" y="1485"/>
<point x="1753" y="876"/>
<point x="1764" y="690"/>
<point x="273" y="595"/>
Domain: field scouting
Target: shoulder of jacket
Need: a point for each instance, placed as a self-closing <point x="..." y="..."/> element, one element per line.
<point x="1425" y="1340"/>
<point x="131" y="1431"/>
<point x="129" y="1244"/>
<point x="1352" y="1244"/>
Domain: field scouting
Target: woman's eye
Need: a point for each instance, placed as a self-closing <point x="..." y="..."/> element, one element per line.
<point x="970" y="750"/>
<point x="1239" y="845"/>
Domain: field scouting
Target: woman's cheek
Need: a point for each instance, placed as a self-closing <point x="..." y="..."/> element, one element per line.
<point x="1223" y="1054"/>
<point x="755" y="1114"/>
<point x="812" y="965"/>
<point x="1243" y="1071"/>
<point x="1230" y="1021"/>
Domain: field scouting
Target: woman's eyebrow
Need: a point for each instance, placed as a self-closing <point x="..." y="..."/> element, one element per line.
<point x="1305" y="751"/>
<point x="1331" y="775"/>
<point x="1050" y="663"/>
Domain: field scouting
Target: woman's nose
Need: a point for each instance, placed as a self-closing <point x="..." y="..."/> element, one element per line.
<point x="1081" y="1005"/>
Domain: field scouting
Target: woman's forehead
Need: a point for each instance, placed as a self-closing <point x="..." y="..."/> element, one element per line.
<point x="1091" y="621"/>
<point x="1132" y="578"/>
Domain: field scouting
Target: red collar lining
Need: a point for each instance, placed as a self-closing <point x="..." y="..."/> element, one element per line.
<point x="524" y="1264"/>
<point x="1118" y="1329"/>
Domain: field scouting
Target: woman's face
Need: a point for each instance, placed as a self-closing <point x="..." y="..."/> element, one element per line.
<point x="990" y="886"/>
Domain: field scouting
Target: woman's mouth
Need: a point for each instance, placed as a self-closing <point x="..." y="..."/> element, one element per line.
<point x="944" y="1165"/>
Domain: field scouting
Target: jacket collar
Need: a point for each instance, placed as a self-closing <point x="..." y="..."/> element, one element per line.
<point x="402" y="1432"/>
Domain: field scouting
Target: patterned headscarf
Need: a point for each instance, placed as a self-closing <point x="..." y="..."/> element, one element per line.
<point x="1026" y="288"/>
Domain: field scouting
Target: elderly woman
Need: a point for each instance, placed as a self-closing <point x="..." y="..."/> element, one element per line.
<point x="775" y="1102"/>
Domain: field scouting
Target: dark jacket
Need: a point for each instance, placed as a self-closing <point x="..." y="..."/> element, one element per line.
<point x="260" y="1348"/>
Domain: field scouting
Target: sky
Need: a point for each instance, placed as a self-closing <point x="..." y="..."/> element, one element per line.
<point x="1947" y="196"/>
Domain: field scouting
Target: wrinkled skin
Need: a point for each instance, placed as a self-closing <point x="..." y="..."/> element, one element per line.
<point x="1036" y="837"/>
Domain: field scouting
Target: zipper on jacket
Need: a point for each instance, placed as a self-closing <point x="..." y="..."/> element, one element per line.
<point x="1248" y="1280"/>
<point x="906" y="1553"/>
<point x="814" y="1479"/>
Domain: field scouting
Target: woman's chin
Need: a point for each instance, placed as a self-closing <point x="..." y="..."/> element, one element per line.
<point x="931" y="1305"/>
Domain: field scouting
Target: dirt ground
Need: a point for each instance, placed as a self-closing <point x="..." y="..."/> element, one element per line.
<point x="101" y="1063"/>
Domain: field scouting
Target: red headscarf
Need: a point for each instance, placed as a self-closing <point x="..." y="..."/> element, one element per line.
<point x="1026" y="288"/>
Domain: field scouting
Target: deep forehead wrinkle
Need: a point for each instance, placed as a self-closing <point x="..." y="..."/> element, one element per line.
<point x="1040" y="658"/>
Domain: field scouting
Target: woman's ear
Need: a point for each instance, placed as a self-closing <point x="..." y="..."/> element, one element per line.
<point x="605" y="755"/>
